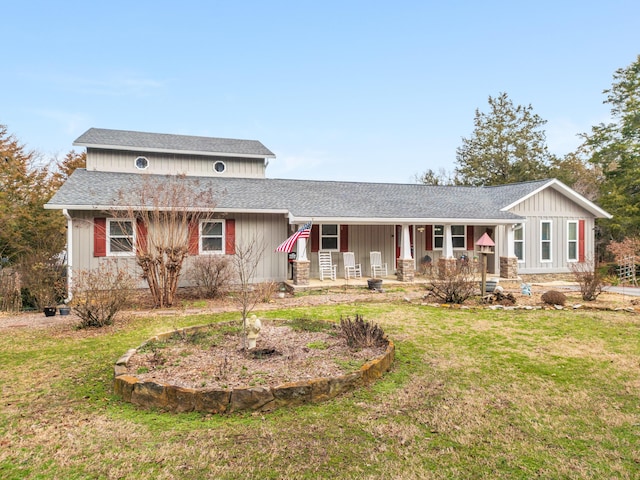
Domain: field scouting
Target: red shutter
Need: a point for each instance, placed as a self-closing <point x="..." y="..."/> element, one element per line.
<point x="315" y="238"/>
<point x="99" y="237"/>
<point x="230" y="237"/>
<point x="470" y="245"/>
<point x="581" y="241"/>
<point x="194" y="238"/>
<point x="141" y="238"/>
<point x="344" y="238"/>
<point x="428" y="235"/>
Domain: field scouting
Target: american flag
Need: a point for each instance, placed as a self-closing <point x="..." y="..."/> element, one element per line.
<point x="288" y="244"/>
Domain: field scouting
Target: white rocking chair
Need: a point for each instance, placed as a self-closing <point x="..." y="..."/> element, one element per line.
<point x="325" y="266"/>
<point x="351" y="268"/>
<point x="377" y="267"/>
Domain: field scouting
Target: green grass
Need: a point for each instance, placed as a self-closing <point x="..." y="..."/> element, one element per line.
<point x="472" y="394"/>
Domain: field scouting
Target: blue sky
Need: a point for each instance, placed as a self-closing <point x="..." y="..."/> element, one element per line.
<point x="338" y="90"/>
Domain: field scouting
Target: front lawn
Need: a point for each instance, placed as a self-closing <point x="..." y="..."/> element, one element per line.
<point x="473" y="394"/>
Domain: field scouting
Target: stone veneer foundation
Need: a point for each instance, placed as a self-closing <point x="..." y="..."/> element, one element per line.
<point x="180" y="399"/>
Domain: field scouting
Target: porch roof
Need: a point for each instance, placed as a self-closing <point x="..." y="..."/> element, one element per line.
<point x="304" y="200"/>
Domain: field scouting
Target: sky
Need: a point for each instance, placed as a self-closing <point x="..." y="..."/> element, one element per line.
<point x="339" y="90"/>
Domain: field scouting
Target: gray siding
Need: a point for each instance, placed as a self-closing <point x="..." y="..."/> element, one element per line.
<point x="164" y="164"/>
<point x="270" y="230"/>
<point x="549" y="205"/>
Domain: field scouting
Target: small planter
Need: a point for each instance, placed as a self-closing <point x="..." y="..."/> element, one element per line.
<point x="49" y="311"/>
<point x="64" y="310"/>
<point x="375" y="284"/>
<point x="490" y="285"/>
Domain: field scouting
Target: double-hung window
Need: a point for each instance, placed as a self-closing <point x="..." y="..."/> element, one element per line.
<point x="518" y="242"/>
<point x="212" y="236"/>
<point x="572" y="241"/>
<point x="545" y="241"/>
<point x="458" y="236"/>
<point x="329" y="237"/>
<point x="120" y="237"/>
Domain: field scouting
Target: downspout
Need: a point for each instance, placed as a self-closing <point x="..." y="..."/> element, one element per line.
<point x="65" y="212"/>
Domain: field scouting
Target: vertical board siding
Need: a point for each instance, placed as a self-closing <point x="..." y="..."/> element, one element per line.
<point x="552" y="206"/>
<point x="165" y="163"/>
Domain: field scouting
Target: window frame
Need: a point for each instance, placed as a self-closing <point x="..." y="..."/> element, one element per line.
<point x="142" y="158"/>
<point x="109" y="237"/>
<point x="519" y="227"/>
<point x="222" y="237"/>
<point x="439" y="238"/>
<point x="331" y="236"/>
<point x="575" y="241"/>
<point x="548" y="241"/>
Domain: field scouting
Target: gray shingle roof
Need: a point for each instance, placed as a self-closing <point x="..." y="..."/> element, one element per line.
<point x="88" y="190"/>
<point x="162" y="142"/>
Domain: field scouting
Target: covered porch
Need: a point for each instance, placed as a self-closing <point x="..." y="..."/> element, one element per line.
<point x="410" y="250"/>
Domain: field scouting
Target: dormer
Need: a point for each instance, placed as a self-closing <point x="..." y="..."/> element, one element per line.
<point x="162" y="154"/>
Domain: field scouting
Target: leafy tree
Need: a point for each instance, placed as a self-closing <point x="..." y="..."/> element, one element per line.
<point x="25" y="186"/>
<point x="615" y="149"/>
<point x="67" y="165"/>
<point x="507" y="146"/>
<point x="575" y="171"/>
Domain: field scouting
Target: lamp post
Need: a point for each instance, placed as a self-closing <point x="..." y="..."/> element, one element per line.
<point x="485" y="245"/>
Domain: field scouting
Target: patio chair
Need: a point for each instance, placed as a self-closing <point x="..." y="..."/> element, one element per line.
<point x="351" y="268"/>
<point x="377" y="267"/>
<point x="325" y="266"/>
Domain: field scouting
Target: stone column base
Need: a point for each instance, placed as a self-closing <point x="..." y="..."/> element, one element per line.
<point x="447" y="267"/>
<point x="406" y="270"/>
<point x="301" y="272"/>
<point x="509" y="267"/>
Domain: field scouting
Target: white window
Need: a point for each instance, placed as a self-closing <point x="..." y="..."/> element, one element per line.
<point x="142" y="163"/>
<point x="219" y="167"/>
<point x="212" y="236"/>
<point x="572" y="241"/>
<point x="458" y="236"/>
<point x="329" y="237"/>
<point x="518" y="242"/>
<point x="121" y="237"/>
<point x="545" y="241"/>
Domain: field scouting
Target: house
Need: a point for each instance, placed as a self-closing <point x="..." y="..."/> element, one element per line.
<point x="538" y="227"/>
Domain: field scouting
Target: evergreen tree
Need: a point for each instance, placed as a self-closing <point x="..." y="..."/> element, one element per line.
<point x="507" y="146"/>
<point x="615" y="149"/>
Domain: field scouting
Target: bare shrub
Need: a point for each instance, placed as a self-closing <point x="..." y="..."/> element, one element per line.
<point x="212" y="275"/>
<point x="554" y="297"/>
<point x="99" y="294"/>
<point x="43" y="279"/>
<point x="266" y="291"/>
<point x="589" y="278"/>
<point x="10" y="298"/>
<point x="452" y="285"/>
<point x="361" y="334"/>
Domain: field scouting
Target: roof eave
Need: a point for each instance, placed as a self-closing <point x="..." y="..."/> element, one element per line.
<point x="575" y="196"/>
<point x="173" y="151"/>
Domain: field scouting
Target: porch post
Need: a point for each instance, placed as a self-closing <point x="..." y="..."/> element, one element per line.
<point x="406" y="266"/>
<point x="447" y="243"/>
<point x="509" y="264"/>
<point x="301" y="265"/>
<point x="447" y="262"/>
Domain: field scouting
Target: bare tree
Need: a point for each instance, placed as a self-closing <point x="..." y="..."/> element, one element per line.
<point x="246" y="259"/>
<point x="166" y="210"/>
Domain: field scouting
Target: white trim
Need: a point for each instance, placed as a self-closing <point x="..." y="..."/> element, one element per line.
<point x="568" y="192"/>
<point x="576" y="240"/>
<point x="523" y="241"/>
<point x="201" y="250"/>
<point x="336" y="236"/>
<point x="550" y="241"/>
<point x="174" y="151"/>
<point x="133" y="237"/>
